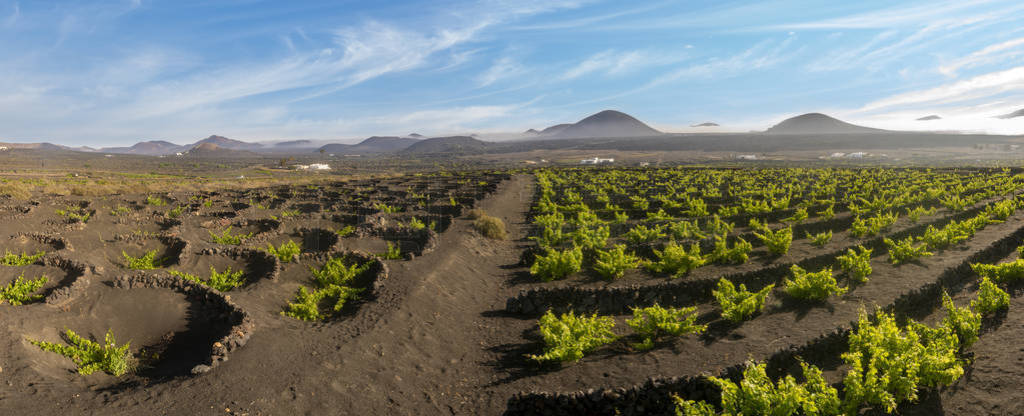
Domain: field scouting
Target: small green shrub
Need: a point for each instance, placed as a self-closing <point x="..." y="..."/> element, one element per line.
<point x="569" y="337"/>
<point x="613" y="263"/>
<point x="777" y="241"/>
<point x="812" y="286"/>
<point x="222" y="281"/>
<point x="915" y="214"/>
<point x="345" y="231"/>
<point x="333" y="289"/>
<point x="287" y="252"/>
<point x="148" y="261"/>
<point x="827" y="213"/>
<point x="18" y="260"/>
<point x="557" y="264"/>
<point x="290" y="213"/>
<point x="176" y="212"/>
<point x="641" y="234"/>
<point x="120" y="210"/>
<point x="393" y="252"/>
<point x="19" y="292"/>
<point x="964" y="322"/>
<point x="857" y="265"/>
<point x="904" y="250"/>
<point x="757" y="394"/>
<point x="676" y="261"/>
<point x="90" y="356"/>
<point x="798" y="216"/>
<point x="225" y="237"/>
<point x="655" y="322"/>
<point x="385" y="208"/>
<point x="1002" y="272"/>
<point x="490" y="227"/>
<point x="155" y="201"/>
<point x="737" y="254"/>
<point x="738" y="304"/>
<point x="991" y="298"/>
<point x="820" y="239"/>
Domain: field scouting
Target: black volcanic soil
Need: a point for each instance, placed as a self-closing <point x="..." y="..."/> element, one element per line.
<point x="433" y="339"/>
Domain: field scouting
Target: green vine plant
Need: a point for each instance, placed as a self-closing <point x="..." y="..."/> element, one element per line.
<point x="904" y="250"/>
<point x="991" y="299"/>
<point x="571" y="336"/>
<point x="155" y="201"/>
<point x="777" y="241"/>
<point x="757" y="394"/>
<point x="820" y="239"/>
<point x="345" y="231"/>
<point x="18" y="260"/>
<point x="816" y="286"/>
<point x="557" y="264"/>
<point x="856" y="264"/>
<point x="613" y="263"/>
<point x="676" y="261"/>
<point x="655" y="322"/>
<point x="393" y="252"/>
<point x="221" y="281"/>
<point x="226" y="238"/>
<point x="19" y="292"/>
<point x="91" y="356"/>
<point x="739" y="304"/>
<point x="333" y="288"/>
<point x="287" y="252"/>
<point x="148" y="261"/>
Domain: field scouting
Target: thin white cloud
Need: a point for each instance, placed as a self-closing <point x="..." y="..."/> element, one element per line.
<point x="990" y="54"/>
<point x="612" y="62"/>
<point x="502" y="69"/>
<point x="924" y="13"/>
<point x="986" y="85"/>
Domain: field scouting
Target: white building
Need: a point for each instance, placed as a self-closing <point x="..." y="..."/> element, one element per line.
<point x="596" y="161"/>
<point x="315" y="166"/>
<point x="747" y="157"/>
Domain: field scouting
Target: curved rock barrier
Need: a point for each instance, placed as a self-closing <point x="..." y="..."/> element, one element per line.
<point x="79" y="272"/>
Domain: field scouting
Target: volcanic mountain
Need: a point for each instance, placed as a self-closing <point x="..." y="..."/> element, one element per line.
<point x="608" y="123"/>
<point x="452" y="144"/>
<point x="707" y="124"/>
<point x="149" y="148"/>
<point x="226" y="143"/>
<point x="375" y="144"/>
<point x="214" y="150"/>
<point x="1015" y="114"/>
<point x="929" y="118"/>
<point x="817" y="123"/>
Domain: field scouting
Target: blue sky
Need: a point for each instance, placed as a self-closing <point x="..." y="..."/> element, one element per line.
<point x="116" y="72"/>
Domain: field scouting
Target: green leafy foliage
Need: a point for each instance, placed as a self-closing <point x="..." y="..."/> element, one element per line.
<point x="287" y="252"/>
<point x="737" y="254"/>
<point x="991" y="298"/>
<point x="964" y="322"/>
<point x="225" y="237"/>
<point x="613" y="263"/>
<point x="872" y="225"/>
<point x="777" y="241"/>
<point x="757" y="394"/>
<point x="738" y="304"/>
<point x="19" y="292"/>
<point x="888" y="364"/>
<point x="820" y="239"/>
<point x="1003" y="272"/>
<point x="120" y="210"/>
<point x="345" y="231"/>
<point x="798" y="216"/>
<point x="18" y="260"/>
<point x="333" y="288"/>
<point x="676" y="261"/>
<point x="176" y="212"/>
<point x="90" y="356"/>
<point x="641" y="234"/>
<point x="557" y="264"/>
<point x="155" y="201"/>
<point x="148" y="261"/>
<point x="915" y="214"/>
<point x="685" y="230"/>
<point x="393" y="252"/>
<point x="222" y="281"/>
<point x="812" y="286"/>
<point x="904" y="250"/>
<point x="570" y="336"/>
<point x="654" y="322"/>
<point x="856" y="264"/>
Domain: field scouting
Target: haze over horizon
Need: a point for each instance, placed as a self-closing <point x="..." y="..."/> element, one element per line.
<point x="116" y="72"/>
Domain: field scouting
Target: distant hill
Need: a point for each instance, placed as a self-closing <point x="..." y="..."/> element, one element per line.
<point x="929" y="118"/>
<point x="452" y="145"/>
<point x="415" y="136"/>
<point x="149" y="148"/>
<point x="608" y="123"/>
<point x="707" y="124"/>
<point x="375" y="144"/>
<point x="213" y="150"/>
<point x="226" y="143"/>
<point x="817" y="123"/>
<point x="532" y="132"/>
<point x="1015" y="114"/>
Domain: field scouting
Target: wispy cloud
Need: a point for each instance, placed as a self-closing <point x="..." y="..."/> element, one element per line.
<point x="990" y="54"/>
<point x="612" y="62"/>
<point x="502" y="69"/>
<point x="982" y="86"/>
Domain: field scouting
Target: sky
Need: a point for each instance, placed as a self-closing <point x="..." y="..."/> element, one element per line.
<point x="110" y="73"/>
